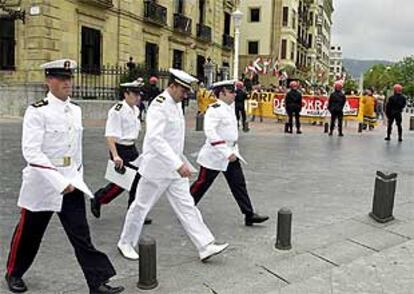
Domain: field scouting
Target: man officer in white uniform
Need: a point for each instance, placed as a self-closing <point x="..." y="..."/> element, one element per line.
<point x="220" y="152"/>
<point x="164" y="169"/>
<point x="52" y="182"/>
<point x="122" y="130"/>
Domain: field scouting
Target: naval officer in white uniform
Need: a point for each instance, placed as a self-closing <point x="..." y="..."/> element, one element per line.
<point x="220" y="152"/>
<point x="164" y="169"/>
<point x="52" y="182"/>
<point x="121" y="132"/>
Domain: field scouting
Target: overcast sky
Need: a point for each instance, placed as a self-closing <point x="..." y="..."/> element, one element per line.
<point x="374" y="29"/>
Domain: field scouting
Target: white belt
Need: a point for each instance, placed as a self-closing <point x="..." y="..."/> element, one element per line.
<point x="126" y="142"/>
<point x="61" y="161"/>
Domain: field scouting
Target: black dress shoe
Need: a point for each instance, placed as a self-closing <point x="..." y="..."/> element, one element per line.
<point x="255" y="219"/>
<point x="147" y="221"/>
<point x="106" y="289"/>
<point x="298" y="132"/>
<point x="387" y="138"/>
<point x="16" y="285"/>
<point x="95" y="208"/>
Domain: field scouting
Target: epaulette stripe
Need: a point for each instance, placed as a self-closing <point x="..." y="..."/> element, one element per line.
<point x="215" y="105"/>
<point x="40" y="103"/>
<point x="118" y="106"/>
<point x="73" y="102"/>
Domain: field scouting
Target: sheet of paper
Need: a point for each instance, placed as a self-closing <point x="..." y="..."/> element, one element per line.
<point x="79" y="184"/>
<point x="192" y="168"/>
<point x="238" y="155"/>
<point x="122" y="180"/>
<point x="136" y="162"/>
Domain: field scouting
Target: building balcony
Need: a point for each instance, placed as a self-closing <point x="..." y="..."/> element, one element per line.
<point x="182" y="24"/>
<point x="99" y="3"/>
<point x="228" y="42"/>
<point x="204" y="32"/>
<point x="304" y="42"/>
<point x="155" y="13"/>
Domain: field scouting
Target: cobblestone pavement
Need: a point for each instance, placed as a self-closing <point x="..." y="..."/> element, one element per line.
<point x="326" y="181"/>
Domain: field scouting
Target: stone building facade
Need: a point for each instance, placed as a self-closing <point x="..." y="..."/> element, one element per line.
<point x="296" y="33"/>
<point x="156" y="33"/>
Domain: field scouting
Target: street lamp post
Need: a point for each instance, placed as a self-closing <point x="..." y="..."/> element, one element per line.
<point x="237" y="16"/>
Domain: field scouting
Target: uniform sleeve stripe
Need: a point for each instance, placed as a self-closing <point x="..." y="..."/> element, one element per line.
<point x="42" y="166"/>
<point x="217" y="143"/>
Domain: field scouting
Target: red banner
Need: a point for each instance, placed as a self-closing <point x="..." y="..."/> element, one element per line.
<point x="316" y="106"/>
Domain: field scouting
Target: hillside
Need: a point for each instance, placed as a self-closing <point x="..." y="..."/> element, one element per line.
<point x="356" y="66"/>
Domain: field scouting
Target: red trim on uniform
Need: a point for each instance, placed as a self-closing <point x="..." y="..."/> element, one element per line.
<point x="15" y="243"/>
<point x="218" y="143"/>
<point x="200" y="181"/>
<point x="112" y="193"/>
<point x="42" y="166"/>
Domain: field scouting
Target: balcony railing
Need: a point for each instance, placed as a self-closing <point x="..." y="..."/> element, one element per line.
<point x="155" y="13"/>
<point x="228" y="41"/>
<point x="182" y="24"/>
<point x="100" y="3"/>
<point x="203" y="32"/>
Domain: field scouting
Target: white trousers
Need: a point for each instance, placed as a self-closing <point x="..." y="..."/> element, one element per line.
<point x="178" y="194"/>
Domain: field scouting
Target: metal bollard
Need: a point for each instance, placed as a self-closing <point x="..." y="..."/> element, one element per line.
<point x="326" y="127"/>
<point x="199" y="122"/>
<point x="411" y="123"/>
<point x="360" y="126"/>
<point x="147" y="264"/>
<point x="383" y="201"/>
<point x="284" y="229"/>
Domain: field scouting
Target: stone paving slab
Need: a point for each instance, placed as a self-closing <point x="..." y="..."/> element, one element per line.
<point x="388" y="272"/>
<point x="299" y="267"/>
<point x="342" y="252"/>
<point x="339" y="231"/>
<point x="378" y="239"/>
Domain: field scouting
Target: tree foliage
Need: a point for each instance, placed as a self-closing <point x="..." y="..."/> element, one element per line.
<point x="382" y="77"/>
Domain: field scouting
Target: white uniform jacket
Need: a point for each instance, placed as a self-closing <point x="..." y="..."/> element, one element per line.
<point x="220" y="128"/>
<point x="52" y="148"/>
<point x="123" y="123"/>
<point x="162" y="152"/>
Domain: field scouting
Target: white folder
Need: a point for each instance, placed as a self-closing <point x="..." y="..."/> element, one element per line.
<point x="79" y="184"/>
<point x="122" y="180"/>
<point x="193" y="170"/>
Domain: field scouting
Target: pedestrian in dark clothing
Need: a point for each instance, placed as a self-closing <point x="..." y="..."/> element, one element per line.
<point x="393" y="110"/>
<point x="131" y="64"/>
<point x="293" y="105"/>
<point x="152" y="90"/>
<point x="241" y="97"/>
<point x="335" y="106"/>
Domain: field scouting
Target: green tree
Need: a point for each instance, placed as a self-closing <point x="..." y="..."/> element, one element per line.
<point x="382" y="77"/>
<point x="350" y="85"/>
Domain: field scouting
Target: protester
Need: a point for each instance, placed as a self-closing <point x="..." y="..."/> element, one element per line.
<point x="152" y="90"/>
<point x="368" y="104"/>
<point x="293" y="105"/>
<point x="241" y="97"/>
<point x="393" y="109"/>
<point x="336" y="104"/>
